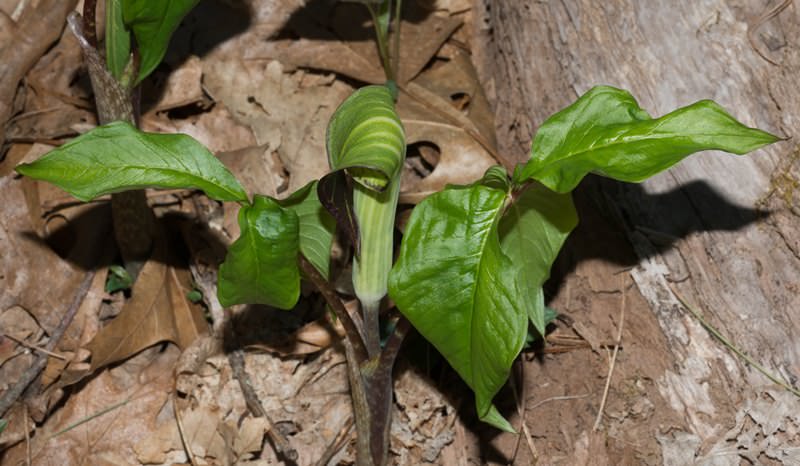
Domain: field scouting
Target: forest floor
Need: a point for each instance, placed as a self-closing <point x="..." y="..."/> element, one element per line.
<point x="136" y="379"/>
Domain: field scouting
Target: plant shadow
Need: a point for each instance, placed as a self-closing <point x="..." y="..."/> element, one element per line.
<point x="346" y="21"/>
<point x="606" y="209"/>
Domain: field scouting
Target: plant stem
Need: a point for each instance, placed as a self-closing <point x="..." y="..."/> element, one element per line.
<point x="351" y="331"/>
<point x="395" y="58"/>
<point x="383" y="46"/>
<point x="90" y="22"/>
<point x="370" y="377"/>
<point x="134" y="222"/>
<point x="371" y="311"/>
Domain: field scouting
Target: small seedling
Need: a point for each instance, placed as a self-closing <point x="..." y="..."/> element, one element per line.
<point x="473" y="259"/>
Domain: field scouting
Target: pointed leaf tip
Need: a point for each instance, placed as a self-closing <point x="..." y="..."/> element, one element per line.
<point x="606" y="132"/>
<point x="457" y="287"/>
<point x="118" y="157"/>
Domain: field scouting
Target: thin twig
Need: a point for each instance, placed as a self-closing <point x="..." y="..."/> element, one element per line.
<point x="282" y="445"/>
<point x="613" y="360"/>
<point x="733" y="348"/>
<point x="186" y="446"/>
<point x="326" y="290"/>
<point x="521" y="402"/>
<point x="34" y="347"/>
<point x="12" y="394"/>
<point x="28" y="458"/>
<point x="760" y="21"/>
<point x="557" y="398"/>
<point x="337" y="444"/>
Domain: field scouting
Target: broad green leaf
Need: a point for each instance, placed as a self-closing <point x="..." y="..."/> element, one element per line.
<point x="316" y="226"/>
<point x="365" y="138"/>
<point x="118" y="39"/>
<point x="532" y="231"/>
<point x="152" y="23"/>
<point x="118" y="157"/>
<point x="261" y="266"/>
<point x="457" y="287"/>
<point x="606" y="132"/>
<point x="3" y="424"/>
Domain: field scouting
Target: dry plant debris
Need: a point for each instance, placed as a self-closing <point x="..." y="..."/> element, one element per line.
<point x="113" y="391"/>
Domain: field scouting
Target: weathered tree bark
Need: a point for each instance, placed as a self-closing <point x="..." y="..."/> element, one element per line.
<point x="720" y="231"/>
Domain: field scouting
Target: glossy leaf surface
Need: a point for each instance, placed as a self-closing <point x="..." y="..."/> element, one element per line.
<point x="457" y="287"/>
<point x="606" y="132"/>
<point x="118" y="157"/>
<point x="261" y="266"/>
<point x="532" y="232"/>
<point x="152" y="23"/>
<point x="316" y="226"/>
<point x="118" y="39"/>
<point x="365" y="137"/>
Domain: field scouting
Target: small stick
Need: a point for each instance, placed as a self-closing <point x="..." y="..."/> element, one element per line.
<point x="557" y="398"/>
<point x="613" y="360"/>
<point x="34" y="347"/>
<point x="11" y="395"/>
<point x="337" y="444"/>
<point x="236" y="358"/>
<point x="28" y="459"/>
<point x="186" y="446"/>
<point x="521" y="402"/>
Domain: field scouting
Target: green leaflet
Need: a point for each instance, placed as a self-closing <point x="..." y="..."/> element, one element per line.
<point x="118" y="40"/>
<point x="457" y="287"/>
<point x="261" y="266"/>
<point x="532" y="232"/>
<point x="3" y="424"/>
<point x="118" y="157"/>
<point x="606" y="132"/>
<point x="365" y="137"/>
<point x="152" y="23"/>
<point x="316" y="226"/>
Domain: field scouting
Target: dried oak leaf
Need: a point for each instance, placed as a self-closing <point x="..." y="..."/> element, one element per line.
<point x="157" y="311"/>
<point x="464" y="136"/>
<point x="342" y="40"/>
<point x="284" y="112"/>
<point x="100" y="423"/>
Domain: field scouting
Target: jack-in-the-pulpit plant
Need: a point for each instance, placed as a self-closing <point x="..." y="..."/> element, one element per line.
<point x="473" y="258"/>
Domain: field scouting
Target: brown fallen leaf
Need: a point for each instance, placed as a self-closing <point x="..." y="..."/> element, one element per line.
<point x="258" y="168"/>
<point x="463" y="136"/>
<point x="181" y="87"/>
<point x="39" y="25"/>
<point x="311" y="338"/>
<point x="215" y="128"/>
<point x="342" y="40"/>
<point x="31" y="274"/>
<point x="157" y="311"/>
<point x="100" y="423"/>
<point x="285" y="113"/>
